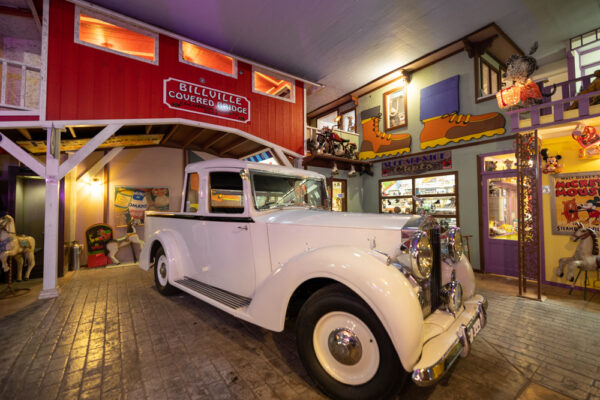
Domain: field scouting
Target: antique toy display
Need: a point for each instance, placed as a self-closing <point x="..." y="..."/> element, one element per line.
<point x="20" y="247"/>
<point x="551" y="162"/>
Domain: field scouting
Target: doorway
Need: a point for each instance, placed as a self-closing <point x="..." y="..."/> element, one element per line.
<point x="500" y="215"/>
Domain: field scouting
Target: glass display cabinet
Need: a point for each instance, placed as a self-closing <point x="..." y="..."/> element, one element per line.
<point x="436" y="194"/>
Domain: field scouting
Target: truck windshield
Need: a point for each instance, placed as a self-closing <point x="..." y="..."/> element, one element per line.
<point x="279" y="191"/>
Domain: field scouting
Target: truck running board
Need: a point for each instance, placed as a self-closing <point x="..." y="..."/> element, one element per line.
<point x="222" y="296"/>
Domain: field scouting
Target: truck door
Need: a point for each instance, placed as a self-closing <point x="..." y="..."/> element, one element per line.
<point x="229" y="260"/>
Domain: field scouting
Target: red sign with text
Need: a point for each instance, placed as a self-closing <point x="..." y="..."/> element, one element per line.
<point x="190" y="97"/>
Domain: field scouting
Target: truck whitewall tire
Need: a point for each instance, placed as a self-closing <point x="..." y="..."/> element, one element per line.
<point x="161" y="273"/>
<point x="345" y="348"/>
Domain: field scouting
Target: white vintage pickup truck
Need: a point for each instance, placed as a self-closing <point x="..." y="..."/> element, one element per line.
<point x="376" y="297"/>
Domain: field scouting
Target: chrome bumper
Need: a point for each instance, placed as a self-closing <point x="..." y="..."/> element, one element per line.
<point x="448" y="346"/>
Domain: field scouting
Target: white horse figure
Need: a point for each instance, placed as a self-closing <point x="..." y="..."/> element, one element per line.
<point x="586" y="255"/>
<point x="17" y="246"/>
<point x="114" y="245"/>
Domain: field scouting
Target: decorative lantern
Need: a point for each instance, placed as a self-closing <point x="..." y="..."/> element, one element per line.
<point x="511" y="96"/>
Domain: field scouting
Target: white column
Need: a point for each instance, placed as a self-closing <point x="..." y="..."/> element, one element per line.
<point x="49" y="289"/>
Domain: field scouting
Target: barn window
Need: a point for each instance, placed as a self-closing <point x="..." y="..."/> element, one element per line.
<point x="199" y="56"/>
<point x="274" y="85"/>
<point x="106" y="33"/>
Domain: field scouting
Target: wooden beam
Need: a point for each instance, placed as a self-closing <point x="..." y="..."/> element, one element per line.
<point x="194" y="137"/>
<point x="281" y="157"/>
<point x="17" y="12"/>
<point x="35" y="15"/>
<point x="94" y="169"/>
<point x="148" y="129"/>
<point x="17" y="152"/>
<point x="25" y="133"/>
<point x="234" y="146"/>
<point x="87" y="149"/>
<point x="72" y="131"/>
<point x="213" y="141"/>
<point x="170" y="134"/>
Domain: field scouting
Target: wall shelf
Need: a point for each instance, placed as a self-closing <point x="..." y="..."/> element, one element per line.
<point x="326" y="161"/>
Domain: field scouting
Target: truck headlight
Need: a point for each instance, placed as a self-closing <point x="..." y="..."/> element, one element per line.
<point x="454" y="247"/>
<point x="421" y="255"/>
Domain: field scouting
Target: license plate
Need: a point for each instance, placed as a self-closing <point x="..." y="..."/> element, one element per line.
<point x="474" y="330"/>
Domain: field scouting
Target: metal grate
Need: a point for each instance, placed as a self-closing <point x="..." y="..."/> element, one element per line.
<point x="222" y="296"/>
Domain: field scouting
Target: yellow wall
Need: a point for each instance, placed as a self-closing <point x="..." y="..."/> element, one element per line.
<point x="558" y="246"/>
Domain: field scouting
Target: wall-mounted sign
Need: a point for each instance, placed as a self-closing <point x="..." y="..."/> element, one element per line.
<point x="39" y="146"/>
<point x="190" y="97"/>
<point x="131" y="202"/>
<point x="575" y="198"/>
<point x="417" y="164"/>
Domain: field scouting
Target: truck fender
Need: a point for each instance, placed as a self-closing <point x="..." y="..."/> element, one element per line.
<point x="385" y="289"/>
<point x="177" y="254"/>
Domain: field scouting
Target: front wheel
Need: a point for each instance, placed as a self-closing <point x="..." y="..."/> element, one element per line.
<point x="161" y="274"/>
<point x="345" y="348"/>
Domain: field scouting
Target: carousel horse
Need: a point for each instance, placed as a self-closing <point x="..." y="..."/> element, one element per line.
<point x="131" y="237"/>
<point x="17" y="246"/>
<point x="586" y="255"/>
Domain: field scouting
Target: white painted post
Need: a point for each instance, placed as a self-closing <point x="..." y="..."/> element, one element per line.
<point x="49" y="288"/>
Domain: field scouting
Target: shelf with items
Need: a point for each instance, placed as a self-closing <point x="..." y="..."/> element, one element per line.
<point x="435" y="194"/>
<point x="327" y="160"/>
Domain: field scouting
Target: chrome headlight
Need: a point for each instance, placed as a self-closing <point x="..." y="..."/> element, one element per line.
<point x="452" y="296"/>
<point x="421" y="255"/>
<point x="454" y="247"/>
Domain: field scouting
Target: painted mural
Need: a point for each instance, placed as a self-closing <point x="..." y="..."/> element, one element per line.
<point x="575" y="198"/>
<point x="131" y="202"/>
<point x="444" y="124"/>
<point x="380" y="144"/>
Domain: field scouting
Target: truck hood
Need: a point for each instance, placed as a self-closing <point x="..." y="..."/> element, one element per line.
<point x="322" y="218"/>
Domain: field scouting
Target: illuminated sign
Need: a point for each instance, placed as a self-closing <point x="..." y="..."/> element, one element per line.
<point x="190" y="97"/>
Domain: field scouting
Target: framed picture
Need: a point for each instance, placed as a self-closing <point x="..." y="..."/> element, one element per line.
<point x="131" y="202"/>
<point x="349" y="121"/>
<point x="394" y="108"/>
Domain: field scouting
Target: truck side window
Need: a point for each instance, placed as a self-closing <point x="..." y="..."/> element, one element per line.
<point x="226" y="193"/>
<point x="191" y="193"/>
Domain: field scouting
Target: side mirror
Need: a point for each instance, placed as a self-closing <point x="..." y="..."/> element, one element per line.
<point x="244" y="174"/>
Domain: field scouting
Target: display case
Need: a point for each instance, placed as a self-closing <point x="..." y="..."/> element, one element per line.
<point x="435" y="195"/>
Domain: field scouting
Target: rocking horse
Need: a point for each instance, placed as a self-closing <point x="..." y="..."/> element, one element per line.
<point x="113" y="246"/>
<point x="585" y="257"/>
<point x="16" y="246"/>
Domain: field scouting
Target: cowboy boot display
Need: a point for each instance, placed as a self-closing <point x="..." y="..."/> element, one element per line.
<point x="378" y="144"/>
<point x="455" y="127"/>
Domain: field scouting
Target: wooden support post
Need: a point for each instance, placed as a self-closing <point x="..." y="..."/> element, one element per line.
<point x="49" y="287"/>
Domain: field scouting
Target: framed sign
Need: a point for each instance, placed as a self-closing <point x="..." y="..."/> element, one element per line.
<point x="131" y="202"/>
<point x="394" y="108"/>
<point x="199" y="99"/>
<point x="574" y="198"/>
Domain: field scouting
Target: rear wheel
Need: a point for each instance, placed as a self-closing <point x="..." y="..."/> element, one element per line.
<point x="345" y="348"/>
<point x="161" y="273"/>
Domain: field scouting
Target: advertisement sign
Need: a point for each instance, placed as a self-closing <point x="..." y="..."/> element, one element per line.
<point x="131" y="203"/>
<point x="417" y="164"/>
<point x="575" y="197"/>
<point x="190" y="97"/>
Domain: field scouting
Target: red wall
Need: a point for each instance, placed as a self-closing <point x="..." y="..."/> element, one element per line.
<point x="86" y="83"/>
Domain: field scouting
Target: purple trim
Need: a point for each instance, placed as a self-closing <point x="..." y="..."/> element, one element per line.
<point x="566" y="286"/>
<point x="588" y="50"/>
<point x="491" y="246"/>
<point x="591" y="65"/>
<point x="570" y="65"/>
